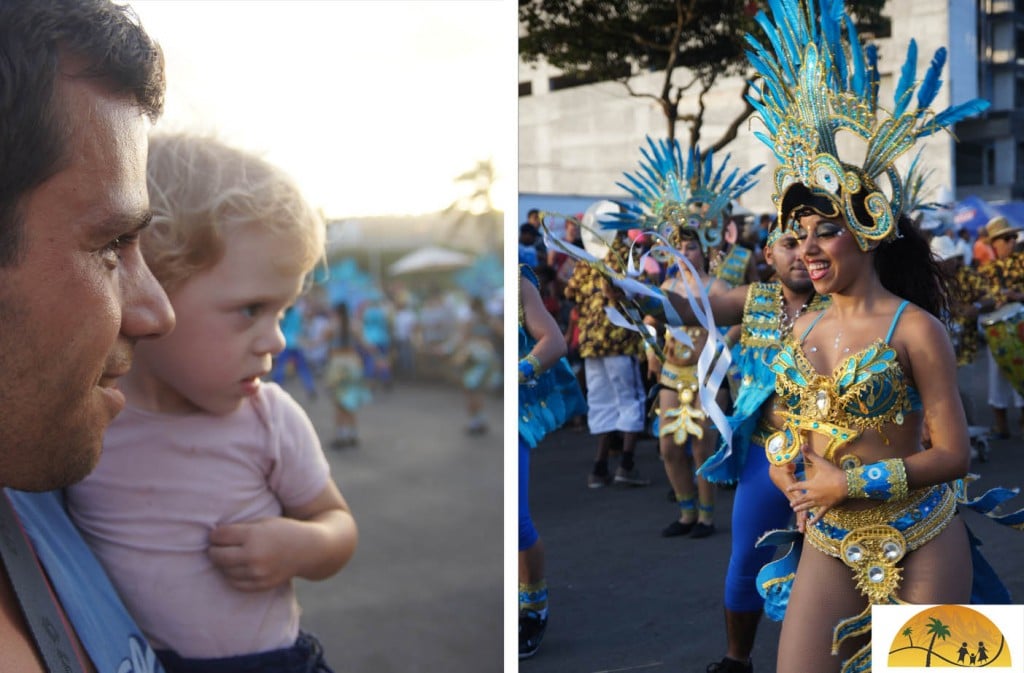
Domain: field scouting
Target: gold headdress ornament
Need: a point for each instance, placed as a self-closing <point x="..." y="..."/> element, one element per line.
<point x="814" y="85"/>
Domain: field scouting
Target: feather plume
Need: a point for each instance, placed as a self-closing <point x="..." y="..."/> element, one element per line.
<point x="931" y="84"/>
<point x="905" y="87"/>
<point x="953" y="114"/>
<point x="859" y="79"/>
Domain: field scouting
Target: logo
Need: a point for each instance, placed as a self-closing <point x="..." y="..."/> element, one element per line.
<point x="917" y="638"/>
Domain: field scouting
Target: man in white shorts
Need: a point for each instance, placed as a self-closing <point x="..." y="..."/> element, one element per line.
<point x="615" y="390"/>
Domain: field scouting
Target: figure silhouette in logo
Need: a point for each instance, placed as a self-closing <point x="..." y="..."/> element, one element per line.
<point x="962" y="652"/>
<point x="982" y="654"/>
<point x="973" y="658"/>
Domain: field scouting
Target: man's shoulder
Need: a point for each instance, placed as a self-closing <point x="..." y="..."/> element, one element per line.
<point x="90" y="602"/>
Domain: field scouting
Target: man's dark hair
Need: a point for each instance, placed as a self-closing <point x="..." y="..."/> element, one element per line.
<point x="37" y="39"/>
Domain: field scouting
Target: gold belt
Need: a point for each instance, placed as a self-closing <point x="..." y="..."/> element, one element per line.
<point x="918" y="518"/>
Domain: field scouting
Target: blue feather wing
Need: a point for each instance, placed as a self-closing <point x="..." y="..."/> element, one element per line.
<point x="953" y="114"/>
<point x="930" y="86"/>
<point x="905" y="88"/>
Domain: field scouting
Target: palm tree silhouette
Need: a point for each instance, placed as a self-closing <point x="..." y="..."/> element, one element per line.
<point x="906" y="632"/>
<point x="938" y="630"/>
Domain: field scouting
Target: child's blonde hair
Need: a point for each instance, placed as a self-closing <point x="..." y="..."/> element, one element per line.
<point x="200" y="189"/>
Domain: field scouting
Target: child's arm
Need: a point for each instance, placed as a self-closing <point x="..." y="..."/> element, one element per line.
<point x="313" y="542"/>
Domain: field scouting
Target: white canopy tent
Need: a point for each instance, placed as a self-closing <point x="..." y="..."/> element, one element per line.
<point x="431" y="258"/>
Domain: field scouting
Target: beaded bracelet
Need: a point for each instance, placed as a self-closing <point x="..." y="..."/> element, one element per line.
<point x="529" y="366"/>
<point x="884" y="480"/>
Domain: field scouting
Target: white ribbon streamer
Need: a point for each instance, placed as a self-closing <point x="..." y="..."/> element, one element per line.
<point x="715" y="358"/>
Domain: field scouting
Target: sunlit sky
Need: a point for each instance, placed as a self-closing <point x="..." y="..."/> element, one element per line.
<point x="374" y="107"/>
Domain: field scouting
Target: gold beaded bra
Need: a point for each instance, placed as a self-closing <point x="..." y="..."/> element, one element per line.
<point x="865" y="391"/>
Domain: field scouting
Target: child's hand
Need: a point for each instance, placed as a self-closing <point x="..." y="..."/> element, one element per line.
<point x="312" y="541"/>
<point x="256" y="555"/>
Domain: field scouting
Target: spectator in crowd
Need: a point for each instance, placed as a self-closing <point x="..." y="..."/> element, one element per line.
<point x="1003" y="278"/>
<point x="405" y="329"/>
<point x="963" y="245"/>
<point x="982" y="250"/>
<point x="528" y="235"/>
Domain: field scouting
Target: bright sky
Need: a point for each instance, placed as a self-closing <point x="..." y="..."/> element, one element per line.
<point x="374" y="107"/>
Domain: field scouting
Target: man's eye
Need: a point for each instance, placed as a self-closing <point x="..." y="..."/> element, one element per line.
<point x="112" y="251"/>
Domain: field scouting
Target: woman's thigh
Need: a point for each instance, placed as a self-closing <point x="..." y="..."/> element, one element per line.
<point x="941" y="570"/>
<point x="823" y="594"/>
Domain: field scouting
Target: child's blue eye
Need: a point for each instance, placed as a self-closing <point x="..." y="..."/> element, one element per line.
<point x="251" y="311"/>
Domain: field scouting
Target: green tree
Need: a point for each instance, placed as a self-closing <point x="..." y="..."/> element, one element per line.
<point x="906" y="632"/>
<point x="938" y="630"/>
<point x="694" y="43"/>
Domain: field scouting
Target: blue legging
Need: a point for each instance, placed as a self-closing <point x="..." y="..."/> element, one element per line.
<point x="758" y="506"/>
<point x="527" y="533"/>
<point x="298" y="359"/>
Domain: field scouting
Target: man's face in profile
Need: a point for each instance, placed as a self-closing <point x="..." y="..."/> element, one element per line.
<point x="80" y="295"/>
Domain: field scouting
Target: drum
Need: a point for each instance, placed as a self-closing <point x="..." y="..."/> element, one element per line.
<point x="1004" y="331"/>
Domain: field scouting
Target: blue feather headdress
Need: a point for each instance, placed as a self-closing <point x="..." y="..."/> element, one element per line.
<point x="814" y="85"/>
<point x="674" y="194"/>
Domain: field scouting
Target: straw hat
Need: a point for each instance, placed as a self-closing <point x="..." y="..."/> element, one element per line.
<point x="999" y="226"/>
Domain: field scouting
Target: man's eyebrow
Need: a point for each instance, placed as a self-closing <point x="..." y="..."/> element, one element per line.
<point x="126" y="223"/>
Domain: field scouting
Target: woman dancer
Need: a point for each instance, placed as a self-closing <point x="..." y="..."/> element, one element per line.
<point x="686" y="437"/>
<point x="685" y="203"/>
<point x="859" y="380"/>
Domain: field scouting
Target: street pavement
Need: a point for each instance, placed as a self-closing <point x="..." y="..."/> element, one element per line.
<point x="424" y="589"/>
<point x="625" y="599"/>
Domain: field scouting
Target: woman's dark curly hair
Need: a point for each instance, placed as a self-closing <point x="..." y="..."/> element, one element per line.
<point x="906" y="267"/>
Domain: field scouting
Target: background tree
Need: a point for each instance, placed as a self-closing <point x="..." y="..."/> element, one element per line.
<point x="938" y="630"/>
<point x="473" y="213"/>
<point x="907" y="633"/>
<point x="694" y="43"/>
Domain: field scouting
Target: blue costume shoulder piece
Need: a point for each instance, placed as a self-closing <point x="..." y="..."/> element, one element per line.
<point x="760" y="340"/>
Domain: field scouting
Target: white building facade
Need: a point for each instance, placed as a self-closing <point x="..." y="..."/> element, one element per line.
<point x="579" y="140"/>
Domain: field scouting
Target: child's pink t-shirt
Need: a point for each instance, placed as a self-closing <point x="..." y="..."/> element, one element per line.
<point x="163" y="483"/>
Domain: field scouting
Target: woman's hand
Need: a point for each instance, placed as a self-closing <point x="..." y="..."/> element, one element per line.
<point x="784" y="476"/>
<point x="821" y="492"/>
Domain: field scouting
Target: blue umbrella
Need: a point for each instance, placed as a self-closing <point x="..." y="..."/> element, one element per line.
<point x="972" y="214"/>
